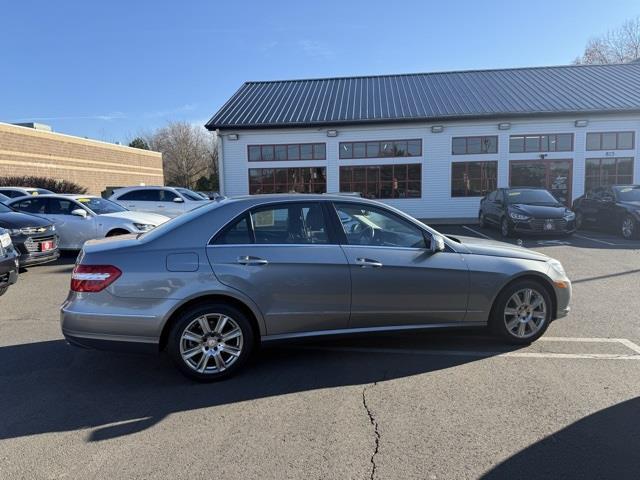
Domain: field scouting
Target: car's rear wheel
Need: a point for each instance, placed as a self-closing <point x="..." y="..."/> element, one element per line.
<point x="628" y="227"/>
<point x="210" y="342"/>
<point x="3" y="290"/>
<point x="505" y="228"/>
<point x="522" y="312"/>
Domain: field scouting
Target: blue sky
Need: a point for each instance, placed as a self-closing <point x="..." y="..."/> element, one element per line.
<point x="108" y="70"/>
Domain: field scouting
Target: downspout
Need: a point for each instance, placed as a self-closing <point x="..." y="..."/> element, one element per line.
<point x="220" y="162"/>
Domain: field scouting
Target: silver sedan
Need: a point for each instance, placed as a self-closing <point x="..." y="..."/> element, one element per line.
<point x="209" y="286"/>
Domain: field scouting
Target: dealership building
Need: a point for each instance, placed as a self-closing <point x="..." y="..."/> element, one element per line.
<point x="34" y="150"/>
<point x="432" y="144"/>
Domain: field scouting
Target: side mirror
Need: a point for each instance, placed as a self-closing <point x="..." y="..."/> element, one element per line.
<point x="78" y="212"/>
<point x="437" y="244"/>
<point x="178" y="200"/>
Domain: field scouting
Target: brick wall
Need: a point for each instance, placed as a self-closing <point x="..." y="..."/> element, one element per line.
<point x="93" y="164"/>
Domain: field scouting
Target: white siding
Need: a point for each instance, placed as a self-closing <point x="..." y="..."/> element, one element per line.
<point x="436" y="201"/>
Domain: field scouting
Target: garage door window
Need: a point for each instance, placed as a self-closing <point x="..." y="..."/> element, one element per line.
<point x="473" y="179"/>
<point x="383" y="181"/>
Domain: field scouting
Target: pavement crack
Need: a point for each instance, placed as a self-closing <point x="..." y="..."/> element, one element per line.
<point x="376" y="431"/>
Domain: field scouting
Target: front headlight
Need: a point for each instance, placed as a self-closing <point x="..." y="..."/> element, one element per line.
<point x="569" y="216"/>
<point x="518" y="216"/>
<point x="5" y="240"/>
<point x="557" y="266"/>
<point x="144" y="227"/>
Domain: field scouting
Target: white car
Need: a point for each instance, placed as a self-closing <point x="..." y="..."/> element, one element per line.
<point x="15" y="192"/>
<point x="79" y="218"/>
<point x="169" y="201"/>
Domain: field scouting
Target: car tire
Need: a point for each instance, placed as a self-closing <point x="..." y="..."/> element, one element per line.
<point x="3" y="290"/>
<point x="525" y="323"/>
<point x="505" y="229"/>
<point x="211" y="342"/>
<point x="579" y="221"/>
<point x="628" y="227"/>
<point x="482" y="223"/>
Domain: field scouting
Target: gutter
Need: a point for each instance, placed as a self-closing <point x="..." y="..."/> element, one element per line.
<point x="219" y="140"/>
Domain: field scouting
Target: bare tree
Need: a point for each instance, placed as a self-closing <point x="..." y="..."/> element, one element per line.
<point x="620" y="45"/>
<point x="188" y="152"/>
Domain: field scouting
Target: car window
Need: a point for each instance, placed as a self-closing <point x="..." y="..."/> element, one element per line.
<point x="31" y="205"/>
<point x="188" y="194"/>
<point x="11" y="193"/>
<point x="238" y="233"/>
<point x="492" y="196"/>
<point x="100" y="206"/>
<point x="142" y="195"/>
<point x="295" y="223"/>
<point x="166" y="195"/>
<point x="366" y="225"/>
<point x="61" y="206"/>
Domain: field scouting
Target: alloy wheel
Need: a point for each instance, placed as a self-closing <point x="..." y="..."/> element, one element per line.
<point x="628" y="227"/>
<point x="211" y="343"/>
<point x="525" y="313"/>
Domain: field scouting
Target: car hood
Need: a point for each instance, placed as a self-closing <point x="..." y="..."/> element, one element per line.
<point x="139" y="217"/>
<point x="493" y="248"/>
<point x="540" y="211"/>
<point x="11" y="220"/>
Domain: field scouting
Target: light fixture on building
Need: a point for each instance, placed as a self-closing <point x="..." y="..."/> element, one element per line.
<point x="504" y="126"/>
<point x="232" y="136"/>
<point x="332" y="133"/>
<point x="437" y="129"/>
<point x="581" y="123"/>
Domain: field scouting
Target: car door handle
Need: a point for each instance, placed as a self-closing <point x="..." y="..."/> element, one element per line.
<point x="249" y="260"/>
<point x="367" y="262"/>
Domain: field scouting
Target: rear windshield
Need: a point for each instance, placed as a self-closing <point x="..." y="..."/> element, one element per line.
<point x="531" y="197"/>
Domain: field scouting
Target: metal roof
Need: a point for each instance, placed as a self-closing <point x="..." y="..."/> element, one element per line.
<point x="433" y="96"/>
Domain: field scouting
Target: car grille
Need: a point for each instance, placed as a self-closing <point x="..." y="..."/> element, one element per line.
<point x="33" y="245"/>
<point x="537" y="225"/>
<point x="33" y="230"/>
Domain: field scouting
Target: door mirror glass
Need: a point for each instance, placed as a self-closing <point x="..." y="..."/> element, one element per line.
<point x="437" y="244"/>
<point x="78" y="212"/>
<point x="178" y="200"/>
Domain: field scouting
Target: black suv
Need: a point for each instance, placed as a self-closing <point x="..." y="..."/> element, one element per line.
<point x="614" y="208"/>
<point x="8" y="262"/>
<point x="33" y="237"/>
<point x="526" y="210"/>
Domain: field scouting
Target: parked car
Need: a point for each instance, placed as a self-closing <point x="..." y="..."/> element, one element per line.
<point x="209" y="195"/>
<point x="613" y="208"/>
<point x="79" y="218"/>
<point x="169" y="201"/>
<point x="8" y="262"/>
<point x="526" y="210"/>
<point x="33" y="238"/>
<point x="211" y="285"/>
<point x="15" y="192"/>
<point x="4" y="199"/>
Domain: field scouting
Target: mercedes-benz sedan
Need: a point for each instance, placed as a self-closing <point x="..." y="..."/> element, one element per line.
<point x="211" y="285"/>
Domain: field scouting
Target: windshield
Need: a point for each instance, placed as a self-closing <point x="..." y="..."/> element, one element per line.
<point x="628" y="194"/>
<point x="531" y="197"/>
<point x="41" y="191"/>
<point x="100" y="206"/>
<point x="191" y="195"/>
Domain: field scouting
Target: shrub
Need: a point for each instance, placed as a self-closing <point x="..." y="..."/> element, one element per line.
<point x="57" y="186"/>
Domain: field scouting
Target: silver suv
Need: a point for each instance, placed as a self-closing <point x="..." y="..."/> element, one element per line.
<point x="209" y="286"/>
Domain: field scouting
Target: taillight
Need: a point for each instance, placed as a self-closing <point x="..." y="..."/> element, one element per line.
<point x="93" y="278"/>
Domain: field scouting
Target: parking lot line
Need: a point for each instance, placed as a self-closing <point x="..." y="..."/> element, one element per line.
<point x="472" y="353"/>
<point x="596" y="240"/>
<point x="477" y="232"/>
<point x="627" y="343"/>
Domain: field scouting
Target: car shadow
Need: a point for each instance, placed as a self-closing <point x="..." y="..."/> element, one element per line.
<point x="52" y="387"/>
<point x="602" y="445"/>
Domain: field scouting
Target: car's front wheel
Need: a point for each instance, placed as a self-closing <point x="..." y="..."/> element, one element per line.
<point x="210" y="342"/>
<point x="522" y="312"/>
<point x="628" y="227"/>
<point x="579" y="220"/>
<point x="482" y="222"/>
<point x="505" y="228"/>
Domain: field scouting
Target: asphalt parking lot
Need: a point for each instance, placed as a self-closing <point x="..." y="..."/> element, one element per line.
<point x="431" y="405"/>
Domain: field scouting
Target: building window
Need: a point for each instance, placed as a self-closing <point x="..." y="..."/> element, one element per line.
<point x="561" y="142"/>
<point x="378" y="149"/>
<point x="287" y="152"/>
<point x="287" y="180"/>
<point x="474" y="145"/>
<point x="473" y="179"/>
<point x="610" y="141"/>
<point x="383" y="181"/>
<point x="608" y="171"/>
